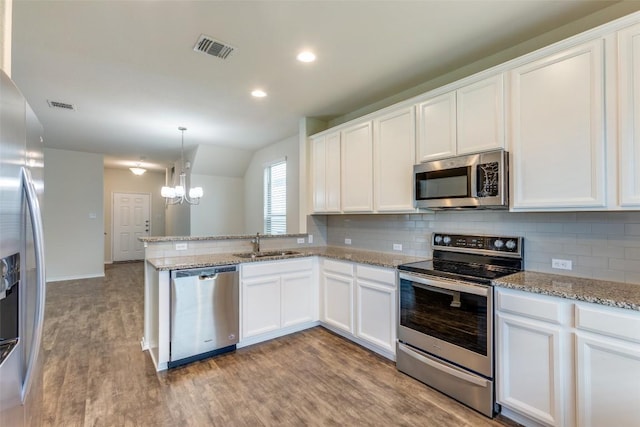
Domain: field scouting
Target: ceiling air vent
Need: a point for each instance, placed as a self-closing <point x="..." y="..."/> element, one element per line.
<point x="210" y="46"/>
<point x="63" y="105"/>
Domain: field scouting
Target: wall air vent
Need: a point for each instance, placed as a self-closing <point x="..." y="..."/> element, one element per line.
<point x="63" y="105"/>
<point x="210" y="46"/>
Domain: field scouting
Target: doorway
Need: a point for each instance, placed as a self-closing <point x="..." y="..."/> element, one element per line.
<point x="130" y="220"/>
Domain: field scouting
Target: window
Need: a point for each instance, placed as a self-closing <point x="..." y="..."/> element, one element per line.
<point x="275" y="198"/>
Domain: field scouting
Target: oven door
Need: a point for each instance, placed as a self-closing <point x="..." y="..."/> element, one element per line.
<point x="449" y="319"/>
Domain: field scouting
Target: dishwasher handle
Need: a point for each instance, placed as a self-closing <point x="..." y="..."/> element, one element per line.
<point x="204" y="273"/>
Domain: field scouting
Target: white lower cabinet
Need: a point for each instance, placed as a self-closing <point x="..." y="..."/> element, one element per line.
<point x="376" y="306"/>
<point x="608" y="366"/>
<point x="337" y="286"/>
<point x="276" y="297"/>
<point x="530" y="375"/>
<point x="359" y="302"/>
<point x="565" y="363"/>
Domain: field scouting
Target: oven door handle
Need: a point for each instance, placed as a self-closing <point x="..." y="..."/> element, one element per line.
<point x="444" y="368"/>
<point x="428" y="284"/>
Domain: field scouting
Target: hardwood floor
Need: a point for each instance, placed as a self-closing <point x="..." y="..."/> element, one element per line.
<point x="97" y="375"/>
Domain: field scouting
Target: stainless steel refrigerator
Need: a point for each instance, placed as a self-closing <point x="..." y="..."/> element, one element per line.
<point x="22" y="286"/>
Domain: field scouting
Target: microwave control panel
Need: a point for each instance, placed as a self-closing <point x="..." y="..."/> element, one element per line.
<point x="488" y="179"/>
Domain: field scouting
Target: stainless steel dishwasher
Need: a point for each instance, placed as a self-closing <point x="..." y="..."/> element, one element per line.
<point x="205" y="312"/>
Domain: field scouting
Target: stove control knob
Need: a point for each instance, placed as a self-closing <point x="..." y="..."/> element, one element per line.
<point x="446" y="240"/>
<point x="498" y="244"/>
<point x="510" y="245"/>
<point x="437" y="239"/>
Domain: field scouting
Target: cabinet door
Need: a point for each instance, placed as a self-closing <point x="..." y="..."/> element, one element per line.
<point x="558" y="130"/>
<point x="394" y="155"/>
<point x="319" y="173"/>
<point x="529" y="374"/>
<point x="298" y="298"/>
<point x="357" y="168"/>
<point x="325" y="173"/>
<point x="480" y="116"/>
<point x="629" y="119"/>
<point x="260" y="305"/>
<point x="437" y="128"/>
<point x="608" y="382"/>
<point x="376" y="308"/>
<point x="337" y="303"/>
<point x="333" y="173"/>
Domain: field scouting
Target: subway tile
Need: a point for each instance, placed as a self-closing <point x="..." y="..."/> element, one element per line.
<point x="607" y="228"/>
<point x="632" y="253"/>
<point x="549" y="227"/>
<point x="632" y="229"/>
<point x="608" y="251"/>
<point x="624" y="265"/>
<point x="576" y="249"/>
<point x="576" y="227"/>
<point x="593" y="262"/>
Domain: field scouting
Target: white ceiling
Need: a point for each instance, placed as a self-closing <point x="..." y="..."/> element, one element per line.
<point x="130" y="69"/>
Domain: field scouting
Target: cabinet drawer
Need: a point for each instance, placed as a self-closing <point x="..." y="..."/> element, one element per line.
<point x="613" y="322"/>
<point x="533" y="306"/>
<point x="383" y="275"/>
<point x="264" y="268"/>
<point x="338" y="267"/>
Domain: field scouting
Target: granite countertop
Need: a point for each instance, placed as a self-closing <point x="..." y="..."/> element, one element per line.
<point x="155" y="239"/>
<point x="613" y="294"/>
<point x="379" y="259"/>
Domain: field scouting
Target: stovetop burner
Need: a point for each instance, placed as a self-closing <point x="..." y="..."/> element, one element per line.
<point x="477" y="259"/>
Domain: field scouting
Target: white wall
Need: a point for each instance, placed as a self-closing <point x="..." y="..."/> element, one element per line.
<point x="73" y="217"/>
<point x="221" y="209"/>
<point x="123" y="181"/>
<point x="253" y="184"/>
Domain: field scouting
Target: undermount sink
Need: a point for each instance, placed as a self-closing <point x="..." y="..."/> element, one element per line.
<point x="265" y="254"/>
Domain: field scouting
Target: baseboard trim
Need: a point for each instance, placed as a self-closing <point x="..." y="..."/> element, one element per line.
<point x="65" y="278"/>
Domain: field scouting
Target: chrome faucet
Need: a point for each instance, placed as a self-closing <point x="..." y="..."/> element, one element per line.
<point x="256" y="243"/>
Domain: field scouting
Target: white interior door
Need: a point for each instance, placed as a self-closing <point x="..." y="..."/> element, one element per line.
<point x="130" y="220"/>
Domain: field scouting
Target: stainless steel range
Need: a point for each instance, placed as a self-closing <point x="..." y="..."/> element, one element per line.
<point x="445" y="333"/>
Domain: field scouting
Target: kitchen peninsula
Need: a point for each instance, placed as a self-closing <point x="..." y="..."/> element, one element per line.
<point x="287" y="288"/>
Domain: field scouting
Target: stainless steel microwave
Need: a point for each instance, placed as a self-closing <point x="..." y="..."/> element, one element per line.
<point x="475" y="181"/>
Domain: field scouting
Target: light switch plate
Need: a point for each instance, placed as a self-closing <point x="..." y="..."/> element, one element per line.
<point x="301" y="240"/>
<point x="347" y="241"/>
<point x="181" y="246"/>
<point x="397" y="246"/>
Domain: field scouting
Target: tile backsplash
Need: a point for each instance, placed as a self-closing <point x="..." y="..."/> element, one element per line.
<point x="600" y="245"/>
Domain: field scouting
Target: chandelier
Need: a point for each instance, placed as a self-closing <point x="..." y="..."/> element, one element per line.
<point x="178" y="194"/>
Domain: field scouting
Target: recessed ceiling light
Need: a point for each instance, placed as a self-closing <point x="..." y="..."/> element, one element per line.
<point x="258" y="93"/>
<point x="306" y="56"/>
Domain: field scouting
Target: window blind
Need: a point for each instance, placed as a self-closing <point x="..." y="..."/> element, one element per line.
<point x="275" y="198"/>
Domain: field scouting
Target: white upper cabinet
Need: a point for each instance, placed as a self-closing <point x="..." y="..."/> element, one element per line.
<point x="557" y="122"/>
<point x="629" y="115"/>
<point x="325" y="173"/>
<point x="437" y="128"/>
<point x="394" y="139"/>
<point x="480" y="113"/>
<point x="357" y="168"/>
<point x="468" y="120"/>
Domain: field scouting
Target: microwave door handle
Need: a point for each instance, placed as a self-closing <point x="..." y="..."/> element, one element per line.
<point x="474" y="181"/>
<point x="428" y="284"/>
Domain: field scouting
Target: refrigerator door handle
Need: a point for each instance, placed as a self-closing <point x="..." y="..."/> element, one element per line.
<point x="38" y="242"/>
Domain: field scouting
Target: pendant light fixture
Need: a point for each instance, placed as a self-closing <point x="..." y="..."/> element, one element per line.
<point x="137" y="170"/>
<point x="178" y="194"/>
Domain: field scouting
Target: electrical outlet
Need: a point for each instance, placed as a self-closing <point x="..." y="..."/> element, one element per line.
<point x="181" y="246"/>
<point x="310" y="238"/>
<point x="397" y="247"/>
<point x="561" y="264"/>
<point x="347" y="241"/>
<point x="301" y="240"/>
